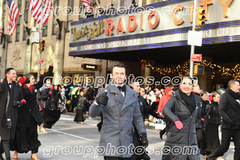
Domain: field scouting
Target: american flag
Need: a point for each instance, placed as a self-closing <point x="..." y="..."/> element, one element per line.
<point x="35" y="7"/>
<point x="88" y="4"/>
<point x="12" y="16"/>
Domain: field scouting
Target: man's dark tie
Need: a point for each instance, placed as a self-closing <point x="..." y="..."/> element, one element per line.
<point x="122" y="89"/>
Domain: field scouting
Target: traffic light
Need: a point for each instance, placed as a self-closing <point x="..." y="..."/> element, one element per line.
<point x="200" y="17"/>
<point x="42" y="45"/>
<point x="198" y="69"/>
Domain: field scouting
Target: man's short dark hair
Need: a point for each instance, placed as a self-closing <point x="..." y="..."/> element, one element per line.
<point x="202" y="93"/>
<point x="8" y="70"/>
<point x="120" y="66"/>
<point x="231" y="82"/>
<point x="215" y="93"/>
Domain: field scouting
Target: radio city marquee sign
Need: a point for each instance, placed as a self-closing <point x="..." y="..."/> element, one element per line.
<point x="157" y="25"/>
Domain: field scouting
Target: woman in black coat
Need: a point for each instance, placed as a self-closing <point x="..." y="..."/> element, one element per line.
<point x="79" y="109"/>
<point x="53" y="112"/>
<point x="26" y="137"/>
<point x="212" y="139"/>
<point x="180" y="110"/>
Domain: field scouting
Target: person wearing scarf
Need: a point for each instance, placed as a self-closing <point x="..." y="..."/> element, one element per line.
<point x="29" y="116"/>
<point x="229" y="109"/>
<point x="181" y="111"/>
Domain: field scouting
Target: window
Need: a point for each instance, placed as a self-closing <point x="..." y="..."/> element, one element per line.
<point x="122" y="3"/>
<point x="10" y="39"/>
<point x="4" y="13"/>
<point x="3" y="16"/>
<point x="25" y="19"/>
<point x="26" y="11"/>
<point x="18" y="21"/>
<point x="70" y="14"/>
<point x="18" y="30"/>
<point x="37" y="26"/>
<point x="55" y="14"/>
<point x="45" y="30"/>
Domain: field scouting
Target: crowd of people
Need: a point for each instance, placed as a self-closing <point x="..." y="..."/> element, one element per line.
<point x="192" y="116"/>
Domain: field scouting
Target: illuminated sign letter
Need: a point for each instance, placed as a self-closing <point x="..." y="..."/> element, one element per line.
<point x="153" y="13"/>
<point x="130" y="19"/>
<point x="174" y="18"/>
<point x="142" y="21"/>
<point x="109" y="27"/>
<point x="191" y="12"/>
<point x="225" y="5"/>
<point x="120" y="26"/>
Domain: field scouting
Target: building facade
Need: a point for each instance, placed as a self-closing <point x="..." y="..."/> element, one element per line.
<point x="157" y="36"/>
<point x="21" y="50"/>
<point x="165" y="42"/>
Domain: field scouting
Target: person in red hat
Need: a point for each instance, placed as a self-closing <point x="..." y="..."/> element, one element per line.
<point x="168" y="94"/>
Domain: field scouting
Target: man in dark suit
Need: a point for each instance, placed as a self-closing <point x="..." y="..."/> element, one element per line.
<point x="229" y="109"/>
<point x="120" y="109"/>
<point x="10" y="99"/>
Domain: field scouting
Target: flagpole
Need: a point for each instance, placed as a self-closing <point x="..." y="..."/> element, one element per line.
<point x="40" y="37"/>
<point x="192" y="46"/>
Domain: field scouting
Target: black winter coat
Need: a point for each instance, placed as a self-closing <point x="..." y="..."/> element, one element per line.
<point x="176" y="109"/>
<point x="7" y="133"/>
<point x="145" y="108"/>
<point x="17" y="103"/>
<point x="204" y="110"/>
<point x="55" y="97"/>
<point x="214" y="116"/>
<point x="229" y="109"/>
<point x="31" y="109"/>
<point x="198" y="121"/>
<point x="82" y="102"/>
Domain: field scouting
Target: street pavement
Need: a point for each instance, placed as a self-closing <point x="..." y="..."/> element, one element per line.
<point x="68" y="140"/>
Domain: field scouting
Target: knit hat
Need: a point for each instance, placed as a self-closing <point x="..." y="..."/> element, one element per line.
<point x="168" y="89"/>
